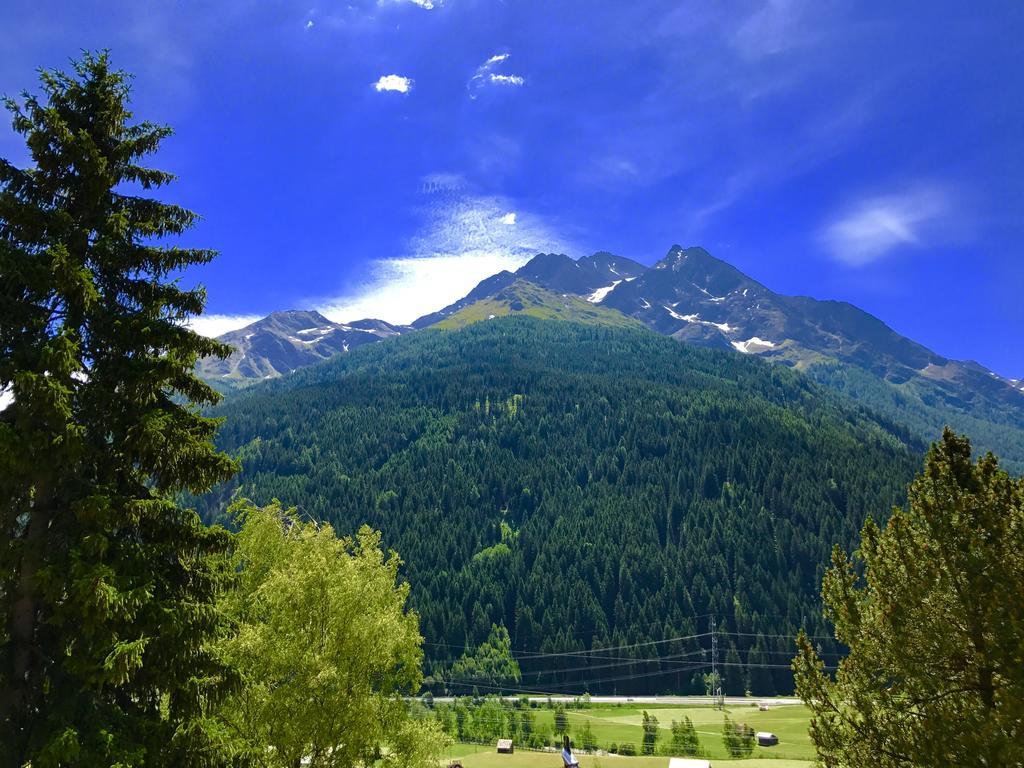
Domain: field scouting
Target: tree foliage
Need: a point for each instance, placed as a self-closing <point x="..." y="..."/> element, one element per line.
<point x="685" y="742"/>
<point x="491" y="663"/>
<point x="561" y="720"/>
<point x="650" y="734"/>
<point x="586" y="737"/>
<point x="326" y="648"/>
<point x="935" y="627"/>
<point x="106" y="584"/>
<point x="738" y="738"/>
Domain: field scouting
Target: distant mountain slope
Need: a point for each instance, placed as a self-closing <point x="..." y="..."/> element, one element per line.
<point x="592" y="275"/>
<point x="284" y="341"/>
<point x="584" y="485"/>
<point x="601" y="271"/>
<point x="694" y="297"/>
<point x="523" y="297"/>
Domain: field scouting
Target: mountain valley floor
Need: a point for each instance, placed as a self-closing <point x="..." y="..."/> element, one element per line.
<point x="620" y="724"/>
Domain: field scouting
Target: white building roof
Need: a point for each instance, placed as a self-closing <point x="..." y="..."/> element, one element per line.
<point x="688" y="762"/>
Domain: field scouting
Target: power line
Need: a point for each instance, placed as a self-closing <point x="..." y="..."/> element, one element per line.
<point x="584" y="653"/>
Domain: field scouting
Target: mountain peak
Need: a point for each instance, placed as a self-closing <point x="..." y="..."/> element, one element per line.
<point x="678" y="255"/>
<point x="285" y="340"/>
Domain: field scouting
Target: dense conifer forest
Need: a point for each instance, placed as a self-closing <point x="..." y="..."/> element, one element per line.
<point x="585" y="487"/>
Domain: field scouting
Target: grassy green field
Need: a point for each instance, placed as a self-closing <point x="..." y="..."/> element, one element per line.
<point x="622" y="724"/>
<point x="472" y="756"/>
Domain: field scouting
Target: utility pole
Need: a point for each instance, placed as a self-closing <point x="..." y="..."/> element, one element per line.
<point x="716" y="680"/>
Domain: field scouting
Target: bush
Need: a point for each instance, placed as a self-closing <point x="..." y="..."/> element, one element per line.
<point x="627" y="749"/>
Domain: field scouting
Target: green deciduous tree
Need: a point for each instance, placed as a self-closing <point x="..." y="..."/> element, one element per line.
<point x="650" y="737"/>
<point x="561" y="720"/>
<point x="586" y="737"/>
<point x="491" y="664"/>
<point x="738" y="738"/>
<point x="684" y="738"/>
<point x="935" y="627"/>
<point x="106" y="584"/>
<point x="325" y="646"/>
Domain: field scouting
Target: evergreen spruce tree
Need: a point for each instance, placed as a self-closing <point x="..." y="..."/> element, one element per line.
<point x="107" y="586"/>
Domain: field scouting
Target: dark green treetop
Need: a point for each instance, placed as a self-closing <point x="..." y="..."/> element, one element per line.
<point x="106" y="585"/>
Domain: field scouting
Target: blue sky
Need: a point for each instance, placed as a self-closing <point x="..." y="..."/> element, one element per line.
<point x="378" y="157"/>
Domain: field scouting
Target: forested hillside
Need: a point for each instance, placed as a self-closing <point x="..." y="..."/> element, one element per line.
<point x="584" y="486"/>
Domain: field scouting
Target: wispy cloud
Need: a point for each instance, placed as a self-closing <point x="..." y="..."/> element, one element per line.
<point x="465" y="239"/>
<point x="778" y="26"/>
<point x="395" y="83"/>
<point x="217" y="325"/>
<point x="877" y="226"/>
<point x="401" y="290"/>
<point x="427" y="5"/>
<point x="485" y="76"/>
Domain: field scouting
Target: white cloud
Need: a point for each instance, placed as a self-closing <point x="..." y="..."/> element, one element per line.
<point x="401" y="290"/>
<point x="309" y="24"/>
<point x="218" y="325"/>
<point x="465" y="239"/>
<point x="507" y="79"/>
<point x="486" y="76"/>
<point x="876" y="226"/>
<point x="395" y="83"/>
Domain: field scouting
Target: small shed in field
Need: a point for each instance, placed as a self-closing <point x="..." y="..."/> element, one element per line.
<point x="765" y="739"/>
<point x="505" y="747"/>
<point x="688" y="762"/>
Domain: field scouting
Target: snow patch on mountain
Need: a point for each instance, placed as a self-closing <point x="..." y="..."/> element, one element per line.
<point x="695" y="318"/>
<point x="599" y="295"/>
<point x="319" y="331"/>
<point x="752" y="345"/>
